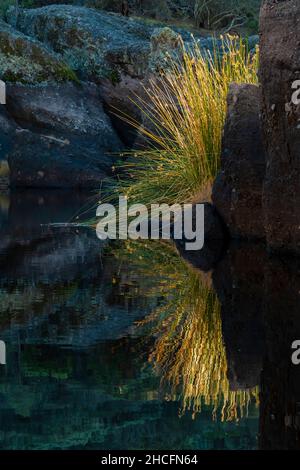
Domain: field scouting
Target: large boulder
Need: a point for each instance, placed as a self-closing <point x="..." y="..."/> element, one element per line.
<point x="95" y="44"/>
<point x="117" y="53"/>
<point x="65" y="138"/>
<point x="237" y="191"/>
<point x="279" y="69"/>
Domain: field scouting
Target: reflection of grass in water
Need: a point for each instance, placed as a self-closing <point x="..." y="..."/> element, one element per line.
<point x="190" y="355"/>
<point x="4" y="201"/>
<point x="189" y="352"/>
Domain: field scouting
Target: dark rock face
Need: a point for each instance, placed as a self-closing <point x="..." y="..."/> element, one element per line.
<point x="279" y="69"/>
<point x="237" y="191"/>
<point x="65" y="138"/>
<point x="119" y="103"/>
<point x="215" y="240"/>
<point x="7" y="132"/>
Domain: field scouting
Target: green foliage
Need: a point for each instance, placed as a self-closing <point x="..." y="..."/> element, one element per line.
<point x="111" y="5"/>
<point x="5" y="4"/>
<point x="227" y="14"/>
<point x="114" y="76"/>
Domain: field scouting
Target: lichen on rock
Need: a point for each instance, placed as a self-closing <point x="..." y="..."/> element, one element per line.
<point x="165" y="45"/>
<point x="25" y="60"/>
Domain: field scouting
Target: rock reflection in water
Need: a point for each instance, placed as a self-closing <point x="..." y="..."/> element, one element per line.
<point x="73" y="317"/>
<point x="260" y="298"/>
<point x="189" y="353"/>
<point x="280" y="383"/>
<point x="119" y="346"/>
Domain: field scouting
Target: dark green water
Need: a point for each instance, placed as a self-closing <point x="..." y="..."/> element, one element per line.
<point x="129" y="347"/>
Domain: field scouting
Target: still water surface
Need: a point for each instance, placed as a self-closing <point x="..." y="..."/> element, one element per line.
<point x="129" y="346"/>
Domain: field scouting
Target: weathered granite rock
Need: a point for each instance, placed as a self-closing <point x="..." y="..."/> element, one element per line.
<point x="98" y="44"/>
<point x="123" y="99"/>
<point x="26" y="60"/>
<point x="165" y="43"/>
<point x="279" y="69"/>
<point x="62" y="107"/>
<point x="65" y="139"/>
<point x="237" y="191"/>
<point x="119" y="103"/>
<point x="95" y="44"/>
<point x="115" y="52"/>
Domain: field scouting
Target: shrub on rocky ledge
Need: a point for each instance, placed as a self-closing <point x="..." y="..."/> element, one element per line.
<point x="210" y="14"/>
<point x="227" y="14"/>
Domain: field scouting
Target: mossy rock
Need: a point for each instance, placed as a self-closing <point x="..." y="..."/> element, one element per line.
<point x="95" y="44"/>
<point x="25" y="60"/>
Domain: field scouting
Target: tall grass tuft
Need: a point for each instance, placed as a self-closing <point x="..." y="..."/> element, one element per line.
<point x="185" y="110"/>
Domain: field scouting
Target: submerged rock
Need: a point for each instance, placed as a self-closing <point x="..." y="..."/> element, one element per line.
<point x="215" y="237"/>
<point x="65" y="139"/>
<point x="237" y="191"/>
<point x="279" y="70"/>
<point x="280" y="381"/>
<point x="239" y="283"/>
